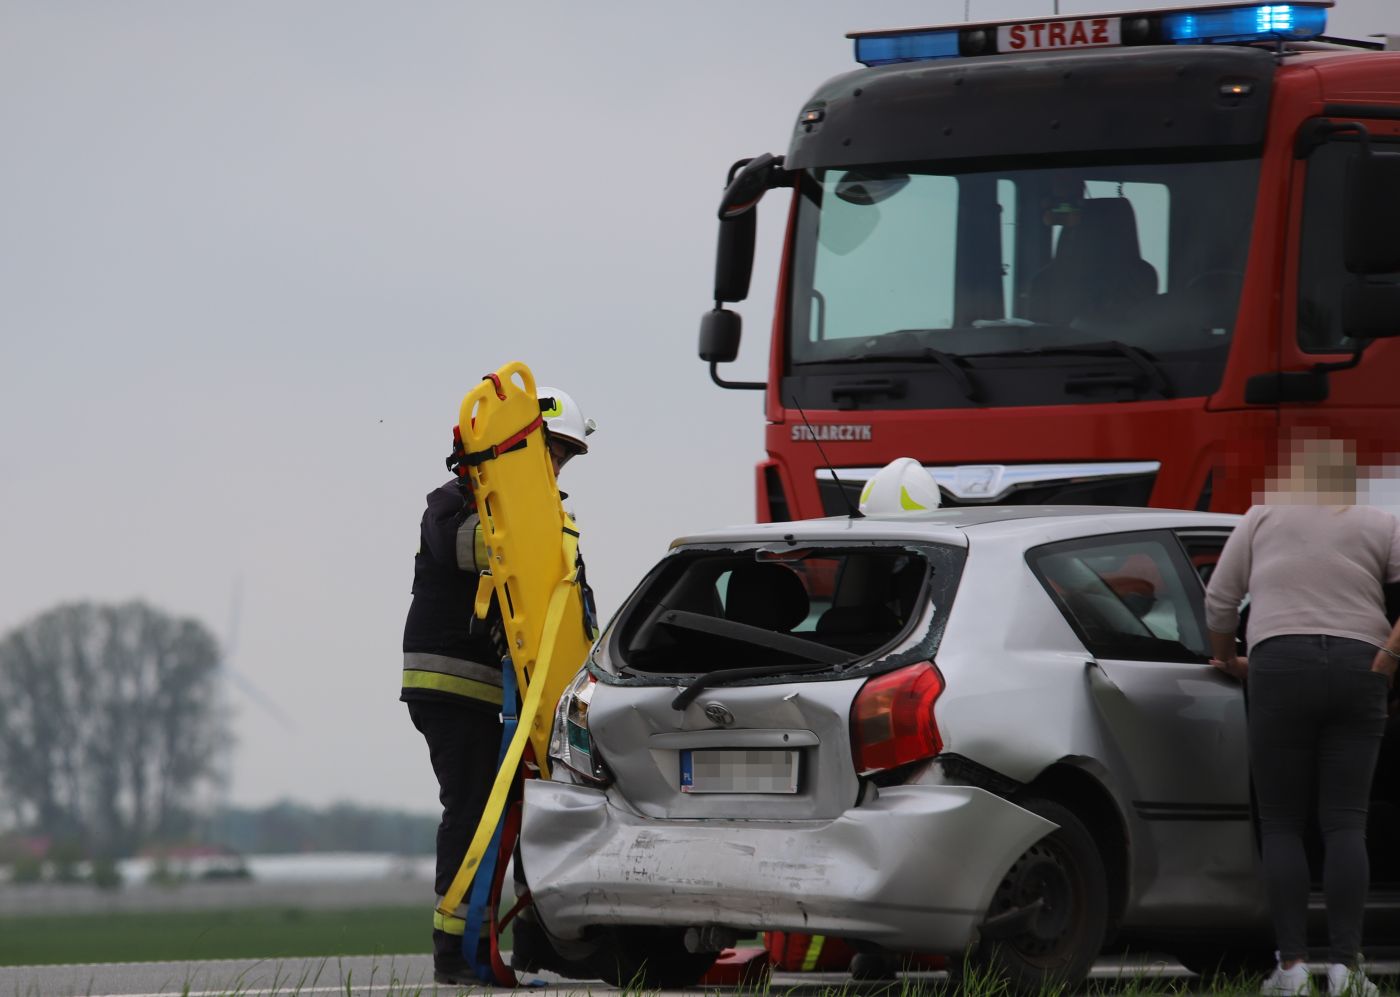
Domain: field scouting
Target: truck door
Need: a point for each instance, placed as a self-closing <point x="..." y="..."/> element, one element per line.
<point x="1175" y="725"/>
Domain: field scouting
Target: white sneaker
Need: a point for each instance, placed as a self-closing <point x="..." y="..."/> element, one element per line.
<point x="1345" y="982"/>
<point x="1295" y="982"/>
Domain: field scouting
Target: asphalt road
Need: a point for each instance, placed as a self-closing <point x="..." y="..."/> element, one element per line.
<point x="411" y="976"/>
<point x="370" y="976"/>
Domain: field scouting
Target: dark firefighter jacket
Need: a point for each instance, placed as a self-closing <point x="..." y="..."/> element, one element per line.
<point x="448" y="653"/>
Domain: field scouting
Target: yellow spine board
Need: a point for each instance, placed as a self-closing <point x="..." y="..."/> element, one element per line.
<point x="532" y="546"/>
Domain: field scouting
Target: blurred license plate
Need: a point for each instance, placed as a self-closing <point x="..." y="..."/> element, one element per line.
<point x="739" y="771"/>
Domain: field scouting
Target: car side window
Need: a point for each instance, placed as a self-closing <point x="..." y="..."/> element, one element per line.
<point x="1126" y="596"/>
<point x="1203" y="548"/>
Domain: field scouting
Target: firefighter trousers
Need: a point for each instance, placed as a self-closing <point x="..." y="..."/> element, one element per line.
<point x="464" y="742"/>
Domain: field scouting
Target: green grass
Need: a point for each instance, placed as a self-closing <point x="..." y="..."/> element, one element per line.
<point x="227" y="934"/>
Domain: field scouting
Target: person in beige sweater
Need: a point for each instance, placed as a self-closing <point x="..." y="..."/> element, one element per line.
<point x="1320" y="660"/>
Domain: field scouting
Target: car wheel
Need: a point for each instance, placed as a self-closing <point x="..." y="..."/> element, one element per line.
<point x="872" y="966"/>
<point x="1216" y="963"/>
<point x="649" y="958"/>
<point x="1047" y="919"/>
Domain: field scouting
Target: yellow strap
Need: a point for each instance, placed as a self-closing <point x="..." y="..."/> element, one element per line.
<point x="458" y="686"/>
<point x="448" y="923"/>
<point x="570" y="536"/>
<point x="814" y="952"/>
<point x="505" y="775"/>
<point x="485" y="588"/>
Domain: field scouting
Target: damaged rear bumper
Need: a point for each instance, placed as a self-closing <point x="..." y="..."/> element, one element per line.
<point x="914" y="869"/>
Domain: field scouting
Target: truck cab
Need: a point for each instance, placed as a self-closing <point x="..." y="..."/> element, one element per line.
<point x="1112" y="259"/>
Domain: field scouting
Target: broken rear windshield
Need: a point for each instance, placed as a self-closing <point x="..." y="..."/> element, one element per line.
<point x="703" y="610"/>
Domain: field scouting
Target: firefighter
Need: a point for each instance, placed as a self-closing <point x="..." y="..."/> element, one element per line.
<point x="452" y="667"/>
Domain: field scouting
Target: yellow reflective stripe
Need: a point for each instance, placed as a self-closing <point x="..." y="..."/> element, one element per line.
<point x="479" y="551"/>
<point x="451" y="925"/>
<point x="908" y="503"/>
<point x="424" y="661"/>
<point x="865" y="492"/>
<point x="472" y="689"/>
<point x="814" y="951"/>
<point x="471" y="545"/>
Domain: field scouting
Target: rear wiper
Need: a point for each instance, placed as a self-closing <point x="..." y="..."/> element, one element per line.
<point x="726" y="675"/>
<point x="951" y="363"/>
<point x="1137" y="357"/>
<point x="821" y="655"/>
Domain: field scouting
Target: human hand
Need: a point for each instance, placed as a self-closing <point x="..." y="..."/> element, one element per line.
<point x="1236" y="667"/>
<point x="1386" y="665"/>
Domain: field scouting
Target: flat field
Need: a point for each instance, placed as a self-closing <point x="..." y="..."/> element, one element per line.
<point x="270" y="933"/>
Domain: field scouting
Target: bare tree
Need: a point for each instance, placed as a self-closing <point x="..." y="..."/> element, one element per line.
<point x="111" y="723"/>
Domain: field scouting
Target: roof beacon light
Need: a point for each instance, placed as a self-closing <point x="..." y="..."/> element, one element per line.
<point x="913" y="45"/>
<point x="1266" y="22"/>
<point x="1206" y="24"/>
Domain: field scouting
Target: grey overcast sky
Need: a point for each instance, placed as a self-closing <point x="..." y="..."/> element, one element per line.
<point x="253" y="254"/>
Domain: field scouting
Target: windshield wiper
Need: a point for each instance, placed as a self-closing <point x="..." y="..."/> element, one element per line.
<point x="951" y="363"/>
<point x="1137" y="357"/>
<point x="821" y="655"/>
<point x="726" y="675"/>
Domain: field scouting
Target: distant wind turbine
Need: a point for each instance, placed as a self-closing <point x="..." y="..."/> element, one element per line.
<point x="246" y="685"/>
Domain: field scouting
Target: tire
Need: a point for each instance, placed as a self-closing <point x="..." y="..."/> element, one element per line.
<point x="649" y="958"/>
<point x="870" y="967"/>
<point x="1056" y="945"/>
<point x="1217" y="964"/>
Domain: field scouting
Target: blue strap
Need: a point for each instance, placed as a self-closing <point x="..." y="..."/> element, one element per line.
<point x="480" y="895"/>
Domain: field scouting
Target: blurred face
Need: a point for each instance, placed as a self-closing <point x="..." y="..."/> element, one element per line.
<point x="1314" y="467"/>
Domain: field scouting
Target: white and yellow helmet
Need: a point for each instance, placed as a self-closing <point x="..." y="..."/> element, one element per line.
<point x="563" y="418"/>
<point x="900" y="488"/>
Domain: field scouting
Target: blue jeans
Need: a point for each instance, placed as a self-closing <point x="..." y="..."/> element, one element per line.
<point x="1316" y="720"/>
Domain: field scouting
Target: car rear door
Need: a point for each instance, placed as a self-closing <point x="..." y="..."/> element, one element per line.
<point x="1175" y="725"/>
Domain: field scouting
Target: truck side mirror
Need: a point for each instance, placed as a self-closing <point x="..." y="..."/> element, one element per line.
<point x="749" y="180"/>
<point x="1372" y="225"/>
<point x="1371" y="311"/>
<point x="1371" y="243"/>
<point x="719" y="336"/>
<point x="719" y="343"/>
<point x="734" y="257"/>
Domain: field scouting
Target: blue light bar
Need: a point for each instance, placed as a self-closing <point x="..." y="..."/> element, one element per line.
<point x="1265" y="22"/>
<point x="912" y="46"/>
<point x="1210" y="23"/>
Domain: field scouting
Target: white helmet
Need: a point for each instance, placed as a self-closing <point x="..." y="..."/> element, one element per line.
<point x="900" y="488"/>
<point x="563" y="418"/>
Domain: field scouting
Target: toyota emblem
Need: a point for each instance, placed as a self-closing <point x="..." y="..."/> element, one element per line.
<point x="718" y="715"/>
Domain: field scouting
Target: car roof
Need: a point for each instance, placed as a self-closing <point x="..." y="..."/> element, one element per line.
<point x="955" y="526"/>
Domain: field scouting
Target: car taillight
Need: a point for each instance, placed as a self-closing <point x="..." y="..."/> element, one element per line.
<point x="570" y="742"/>
<point x="892" y="719"/>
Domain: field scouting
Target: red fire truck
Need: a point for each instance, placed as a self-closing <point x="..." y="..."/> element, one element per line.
<point x="1107" y="260"/>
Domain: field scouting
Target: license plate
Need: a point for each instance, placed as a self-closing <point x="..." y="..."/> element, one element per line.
<point x="1044" y="36"/>
<point x="739" y="771"/>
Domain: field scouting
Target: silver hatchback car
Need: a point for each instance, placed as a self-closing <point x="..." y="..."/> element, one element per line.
<point x="983" y="732"/>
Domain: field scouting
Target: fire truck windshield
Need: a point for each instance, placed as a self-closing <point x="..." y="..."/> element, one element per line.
<point x="970" y="276"/>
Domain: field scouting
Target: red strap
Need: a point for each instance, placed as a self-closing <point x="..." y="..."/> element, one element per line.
<point x="496" y="380"/>
<point x="511" y="441"/>
<point x="505" y="976"/>
<point x="491" y="453"/>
